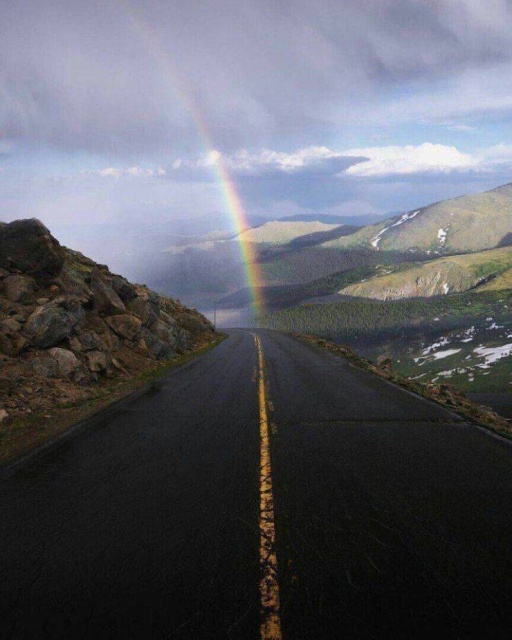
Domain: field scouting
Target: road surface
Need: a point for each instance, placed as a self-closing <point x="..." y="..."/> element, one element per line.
<point x="268" y="489"/>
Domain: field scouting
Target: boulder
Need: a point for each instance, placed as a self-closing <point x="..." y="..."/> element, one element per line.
<point x="10" y="325"/>
<point x="3" y="415"/>
<point x="142" y="308"/>
<point x="4" y="273"/>
<point x="7" y="346"/>
<point x="106" y="300"/>
<point x="91" y="341"/>
<point x="125" y="325"/>
<point x="45" y="366"/>
<point x="193" y="324"/>
<point x="165" y="317"/>
<point x="164" y="332"/>
<point x="97" y="361"/>
<point x="18" y="288"/>
<point x="67" y="362"/>
<point x="156" y="347"/>
<point x="123" y="288"/>
<point x="53" y="322"/>
<point x="27" y="245"/>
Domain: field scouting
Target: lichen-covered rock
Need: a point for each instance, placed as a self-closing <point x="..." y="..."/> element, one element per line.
<point x="164" y="332"/>
<point x="91" y="341"/>
<point x="123" y="288"/>
<point x="67" y="362"/>
<point x="125" y="325"/>
<point x="18" y="288"/>
<point x="9" y="326"/>
<point x="44" y="365"/>
<point x="53" y="322"/>
<point x="27" y="245"/>
<point x="193" y="323"/>
<point x="142" y="308"/>
<point x="106" y="300"/>
<point x="97" y="361"/>
<point x="156" y="347"/>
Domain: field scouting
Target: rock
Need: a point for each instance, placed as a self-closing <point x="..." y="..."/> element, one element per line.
<point x="156" y="347"/>
<point x="4" y="273"/>
<point x="384" y="362"/>
<point x="54" y="290"/>
<point x="125" y="325"/>
<point x="97" y="361"/>
<point x="3" y="415"/>
<point x="7" y="346"/>
<point x="75" y="344"/>
<point x="18" y="288"/>
<point x="162" y="331"/>
<point x="165" y="317"/>
<point x="53" y="322"/>
<point x="45" y="366"/>
<point x="123" y="288"/>
<point x="143" y="310"/>
<point x="91" y="341"/>
<point x="41" y="301"/>
<point x="66" y="360"/>
<point x="27" y="245"/>
<point x="106" y="300"/>
<point x="10" y="325"/>
<point x="192" y="323"/>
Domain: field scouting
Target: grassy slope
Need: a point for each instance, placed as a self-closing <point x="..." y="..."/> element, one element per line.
<point x="404" y="329"/>
<point x="472" y="223"/>
<point x="454" y="274"/>
<point x="277" y="232"/>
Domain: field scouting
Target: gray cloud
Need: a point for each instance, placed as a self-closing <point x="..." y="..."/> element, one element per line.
<point x="119" y="78"/>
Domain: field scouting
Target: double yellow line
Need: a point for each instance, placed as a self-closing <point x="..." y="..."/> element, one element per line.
<point x="270" y="628"/>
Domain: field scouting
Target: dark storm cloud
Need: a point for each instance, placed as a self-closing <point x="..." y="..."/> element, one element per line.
<point x="118" y="77"/>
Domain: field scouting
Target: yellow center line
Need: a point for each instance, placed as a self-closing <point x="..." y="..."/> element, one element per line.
<point x="270" y="628"/>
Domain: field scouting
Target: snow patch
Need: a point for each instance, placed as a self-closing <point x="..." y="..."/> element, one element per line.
<point x="441" y="236"/>
<point x="492" y="354"/>
<point x="406" y="216"/>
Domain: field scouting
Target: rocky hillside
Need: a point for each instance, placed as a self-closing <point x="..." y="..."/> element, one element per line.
<point x="487" y="270"/>
<point x="69" y="325"/>
<point x="459" y="225"/>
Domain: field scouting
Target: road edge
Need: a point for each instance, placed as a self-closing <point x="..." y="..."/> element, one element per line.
<point x="10" y="467"/>
<point x="446" y="396"/>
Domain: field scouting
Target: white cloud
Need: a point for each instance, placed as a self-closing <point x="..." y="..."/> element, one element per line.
<point x="364" y="162"/>
<point x="264" y="161"/>
<point x="136" y="172"/>
<point x="406" y="160"/>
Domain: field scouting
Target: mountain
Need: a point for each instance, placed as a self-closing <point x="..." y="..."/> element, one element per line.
<point x="357" y="221"/>
<point x="459" y="225"/>
<point x="278" y="232"/>
<point x="70" y="329"/>
<point x="487" y="270"/>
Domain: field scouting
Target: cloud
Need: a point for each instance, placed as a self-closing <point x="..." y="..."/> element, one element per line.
<point x="266" y="163"/>
<point x="150" y="77"/>
<point x="134" y="172"/>
<point x="407" y="160"/>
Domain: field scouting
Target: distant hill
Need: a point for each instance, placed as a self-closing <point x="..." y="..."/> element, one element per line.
<point x="358" y="221"/>
<point x="279" y="232"/>
<point x="452" y="274"/>
<point x="459" y="225"/>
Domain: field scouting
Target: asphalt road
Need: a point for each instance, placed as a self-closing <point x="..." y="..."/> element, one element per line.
<point x="390" y="517"/>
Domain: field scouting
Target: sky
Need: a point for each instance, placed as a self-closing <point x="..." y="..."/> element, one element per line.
<point x="118" y="111"/>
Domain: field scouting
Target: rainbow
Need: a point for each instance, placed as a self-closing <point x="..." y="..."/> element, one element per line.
<point x="177" y="87"/>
